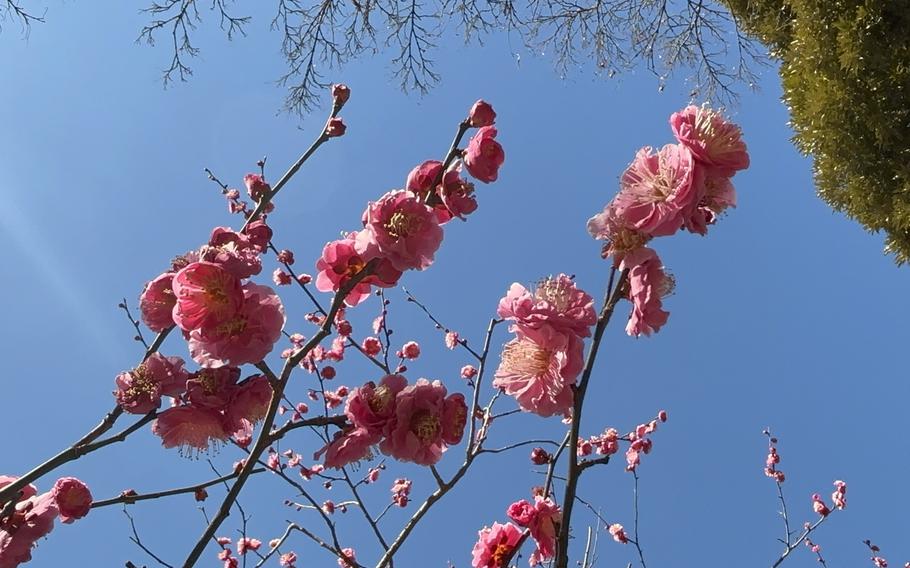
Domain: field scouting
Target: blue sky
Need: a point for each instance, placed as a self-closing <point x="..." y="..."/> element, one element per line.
<point x="787" y="315"/>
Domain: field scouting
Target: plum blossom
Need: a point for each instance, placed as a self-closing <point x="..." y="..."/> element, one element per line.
<point x="482" y="114"/>
<point x="72" y="497"/>
<point x="341" y="260"/>
<point x="495" y="546"/>
<point x="247" y="336"/>
<point x="348" y="559"/>
<point x="538" y="369"/>
<point x="542" y="518"/>
<point x="839" y="497"/>
<point x="711" y="139"/>
<point x="189" y="428"/>
<point x="618" y="533"/>
<point x="347" y="447"/>
<point x="648" y="284"/>
<point x="372" y="406"/>
<point x="207" y="295"/>
<point x="404" y="230"/>
<point x="422" y="179"/>
<point x="484" y="156"/>
<point x="212" y="388"/>
<point x="425" y="423"/>
<point x="819" y="506"/>
<point x="156" y="304"/>
<point x="238" y="253"/>
<point x="256" y="187"/>
<point x="340" y="94"/>
<point x="139" y="391"/>
<point x="456" y="195"/>
<point x="249" y="401"/>
<point x="657" y="189"/>
<point x="410" y="350"/>
<point x="556" y="302"/>
<point x="32" y="518"/>
<point x="619" y="235"/>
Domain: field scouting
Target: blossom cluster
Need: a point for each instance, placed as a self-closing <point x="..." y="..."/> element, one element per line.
<point x="679" y="186"/>
<point x="33" y="516"/>
<point x="607" y="444"/>
<point x="541" y="364"/>
<point x="496" y="545"/>
<point x="414" y="423"/>
<point x="402" y="230"/>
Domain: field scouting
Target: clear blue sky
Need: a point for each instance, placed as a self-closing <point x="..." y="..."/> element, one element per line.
<point x="787" y="315"/>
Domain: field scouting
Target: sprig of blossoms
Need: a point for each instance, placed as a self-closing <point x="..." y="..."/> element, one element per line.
<point x="679" y="186"/>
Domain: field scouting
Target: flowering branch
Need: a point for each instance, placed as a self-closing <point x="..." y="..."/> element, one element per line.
<point x="574" y="470"/>
<point x="263" y="438"/>
<point x="129" y="498"/>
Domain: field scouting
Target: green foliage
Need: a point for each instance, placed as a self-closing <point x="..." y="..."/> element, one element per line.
<point x="845" y="68"/>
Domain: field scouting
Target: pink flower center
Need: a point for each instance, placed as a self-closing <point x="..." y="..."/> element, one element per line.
<point x="216" y="296"/>
<point x="143" y="385"/>
<point x="232" y="327"/>
<point x="501" y="554"/>
<point x="402" y="225"/>
<point x="552" y="291"/>
<point x="354" y="265"/>
<point x="524" y="357"/>
<point x="207" y="380"/>
<point x="425" y="426"/>
<point x="380" y="400"/>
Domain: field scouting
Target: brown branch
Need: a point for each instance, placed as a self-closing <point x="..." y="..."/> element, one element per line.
<point x="574" y="470"/>
<point x="129" y="499"/>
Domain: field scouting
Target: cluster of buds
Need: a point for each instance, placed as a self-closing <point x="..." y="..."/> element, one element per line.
<point x="773" y="459"/>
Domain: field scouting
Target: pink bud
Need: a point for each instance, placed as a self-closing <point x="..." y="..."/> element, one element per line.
<point x="335" y="127"/>
<point x="482" y="114"/>
<point x="340" y="94"/>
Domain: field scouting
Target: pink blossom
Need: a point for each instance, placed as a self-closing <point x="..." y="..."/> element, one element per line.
<point x="32" y="518"/>
<point x="543" y="519"/>
<point x="287" y="560"/>
<point x="712" y="140"/>
<point x="422" y="179"/>
<point x="404" y="230"/>
<point x="212" y="388"/>
<point x="286" y="257"/>
<point x="156" y="303"/>
<point x="619" y="235"/>
<point x="819" y="506"/>
<point x="281" y="278"/>
<point x="657" y="189"/>
<point x="879" y="562"/>
<point x="452" y="339"/>
<point x="495" y="546"/>
<point x="73" y="499"/>
<point x="349" y="560"/>
<point x="840" y="495"/>
<point x="259" y="235"/>
<point x="371" y="346"/>
<point x="556" y="302"/>
<point x="139" y="391"/>
<point x="648" y="284"/>
<point x="717" y="194"/>
<point x="207" y="295"/>
<point x="484" y="156"/>
<point x="456" y="196"/>
<point x="482" y="114"/>
<point x="348" y="447"/>
<point x="468" y="372"/>
<point x="372" y="406"/>
<point x="247" y="337"/>
<point x="235" y="252"/>
<point x="340" y="94"/>
<point x="342" y="260"/>
<point x="618" y="533"/>
<point x="401" y="491"/>
<point x="410" y="350"/>
<point x="256" y="187"/>
<point x="189" y="428"/>
<point x="540" y="456"/>
<point x="250" y="400"/>
<point x="538" y="368"/>
<point x="425" y="423"/>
